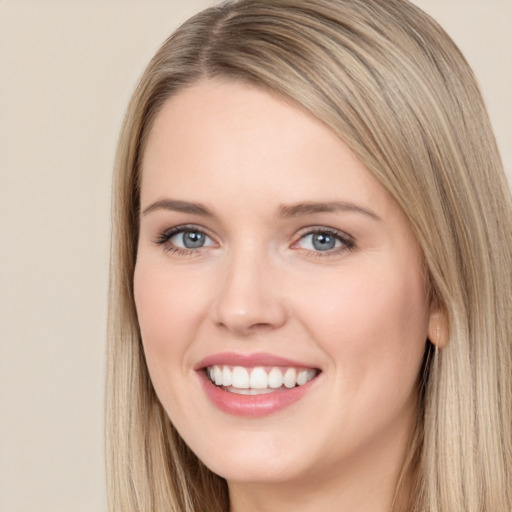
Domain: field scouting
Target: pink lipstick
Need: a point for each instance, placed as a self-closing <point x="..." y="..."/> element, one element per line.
<point x="254" y="384"/>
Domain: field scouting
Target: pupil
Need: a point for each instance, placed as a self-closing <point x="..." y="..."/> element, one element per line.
<point x="193" y="239"/>
<point x="323" y="242"/>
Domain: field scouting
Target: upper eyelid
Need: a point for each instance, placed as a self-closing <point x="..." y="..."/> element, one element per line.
<point x="324" y="229"/>
<point x="186" y="227"/>
<point x="165" y="235"/>
<point x="302" y="231"/>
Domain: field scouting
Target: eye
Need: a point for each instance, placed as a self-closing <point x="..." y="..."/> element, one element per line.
<point x="184" y="239"/>
<point x="189" y="239"/>
<point x="324" y="240"/>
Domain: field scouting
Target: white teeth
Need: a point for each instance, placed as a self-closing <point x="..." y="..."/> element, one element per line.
<point x="237" y="379"/>
<point x="275" y="378"/>
<point x="227" y="379"/>
<point x="249" y="391"/>
<point x="217" y="373"/>
<point x="240" y="377"/>
<point x="290" y="378"/>
<point x="305" y="376"/>
<point x="259" y="379"/>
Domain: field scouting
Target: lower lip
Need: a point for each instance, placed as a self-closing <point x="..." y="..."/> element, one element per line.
<point x="253" y="405"/>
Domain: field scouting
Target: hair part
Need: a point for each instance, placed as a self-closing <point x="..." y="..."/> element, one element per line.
<point x="396" y="89"/>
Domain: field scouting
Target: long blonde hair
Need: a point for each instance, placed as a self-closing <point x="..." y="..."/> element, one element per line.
<point x="391" y="83"/>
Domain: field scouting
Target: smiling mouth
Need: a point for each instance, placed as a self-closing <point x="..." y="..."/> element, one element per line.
<point x="258" y="380"/>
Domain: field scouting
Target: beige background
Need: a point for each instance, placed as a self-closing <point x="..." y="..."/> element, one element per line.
<point x="67" y="70"/>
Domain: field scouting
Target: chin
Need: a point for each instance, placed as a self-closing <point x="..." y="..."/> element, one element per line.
<point x="256" y="471"/>
<point x="261" y="461"/>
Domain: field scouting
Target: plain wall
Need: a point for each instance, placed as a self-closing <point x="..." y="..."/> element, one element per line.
<point x="67" y="71"/>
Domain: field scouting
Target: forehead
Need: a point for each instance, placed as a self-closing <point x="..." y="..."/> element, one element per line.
<point x="229" y="141"/>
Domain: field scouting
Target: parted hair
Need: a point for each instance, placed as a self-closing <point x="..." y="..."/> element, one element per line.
<point x="395" y="88"/>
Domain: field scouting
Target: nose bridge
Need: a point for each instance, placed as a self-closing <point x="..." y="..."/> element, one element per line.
<point x="249" y="297"/>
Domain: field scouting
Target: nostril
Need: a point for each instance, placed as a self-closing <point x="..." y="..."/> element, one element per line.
<point x="246" y="328"/>
<point x="260" y="326"/>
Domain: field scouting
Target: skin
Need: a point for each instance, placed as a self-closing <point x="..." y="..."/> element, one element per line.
<point x="358" y="312"/>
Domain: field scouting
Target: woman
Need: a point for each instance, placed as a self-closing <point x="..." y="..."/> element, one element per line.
<point x="311" y="287"/>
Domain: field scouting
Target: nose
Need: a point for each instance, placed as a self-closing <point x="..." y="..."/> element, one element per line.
<point x="250" y="299"/>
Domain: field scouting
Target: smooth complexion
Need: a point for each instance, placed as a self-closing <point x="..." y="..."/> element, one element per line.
<point x="294" y="251"/>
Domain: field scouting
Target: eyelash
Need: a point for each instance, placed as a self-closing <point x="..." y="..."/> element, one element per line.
<point x="347" y="242"/>
<point x="164" y="238"/>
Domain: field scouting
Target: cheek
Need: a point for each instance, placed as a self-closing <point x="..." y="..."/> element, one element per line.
<point x="372" y="323"/>
<point x="168" y="309"/>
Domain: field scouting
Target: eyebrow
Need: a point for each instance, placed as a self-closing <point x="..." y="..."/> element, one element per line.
<point x="308" y="208"/>
<point x="286" y="211"/>
<point x="178" y="206"/>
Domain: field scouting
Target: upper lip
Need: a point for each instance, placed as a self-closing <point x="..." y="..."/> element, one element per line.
<point x="248" y="360"/>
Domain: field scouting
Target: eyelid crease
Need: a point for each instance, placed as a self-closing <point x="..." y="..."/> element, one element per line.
<point x="342" y="235"/>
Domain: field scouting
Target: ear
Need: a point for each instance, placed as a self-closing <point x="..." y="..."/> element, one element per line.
<point x="438" y="327"/>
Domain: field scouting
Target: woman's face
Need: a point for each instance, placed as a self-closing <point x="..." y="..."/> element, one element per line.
<point x="270" y="258"/>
